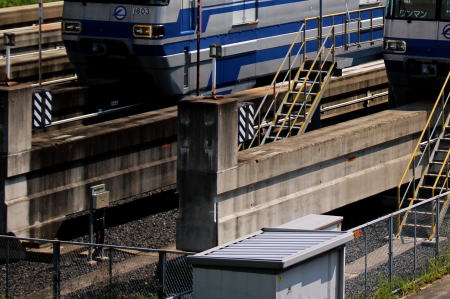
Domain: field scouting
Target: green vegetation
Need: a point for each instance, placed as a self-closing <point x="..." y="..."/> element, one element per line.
<point x="436" y="268"/>
<point x="9" y="3"/>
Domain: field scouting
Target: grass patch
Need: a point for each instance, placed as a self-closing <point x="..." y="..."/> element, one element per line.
<point x="436" y="269"/>
<point x="10" y="3"/>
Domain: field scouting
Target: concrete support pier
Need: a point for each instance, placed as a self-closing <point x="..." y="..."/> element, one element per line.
<point x="225" y="194"/>
<point x="207" y="142"/>
<point x="15" y="136"/>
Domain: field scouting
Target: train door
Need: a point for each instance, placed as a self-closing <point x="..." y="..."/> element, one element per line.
<point x="187" y="16"/>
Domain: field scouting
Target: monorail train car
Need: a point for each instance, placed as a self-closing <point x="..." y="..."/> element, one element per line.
<point x="416" y="48"/>
<point x="153" y="42"/>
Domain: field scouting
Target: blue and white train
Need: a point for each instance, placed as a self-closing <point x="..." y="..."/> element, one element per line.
<point x="153" y="42"/>
<point x="416" y="48"/>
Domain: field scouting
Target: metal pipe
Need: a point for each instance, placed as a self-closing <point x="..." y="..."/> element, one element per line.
<point x="8" y="63"/>
<point x="328" y="108"/>
<point x="214" y="78"/>
<point x="110" y="266"/>
<point x="365" y="263"/>
<point x="91" y="232"/>
<point x="7" y="270"/>
<point x="415" y="243"/>
<point x="162" y="274"/>
<point x="81" y="117"/>
<point x="436" y="238"/>
<point x="391" y="249"/>
<point x="41" y="19"/>
<point x="320" y="22"/>
<point x="56" y="81"/>
<point x="199" y="30"/>
<point x="56" y="270"/>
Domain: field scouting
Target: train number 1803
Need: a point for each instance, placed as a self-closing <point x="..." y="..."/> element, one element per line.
<point x="141" y="11"/>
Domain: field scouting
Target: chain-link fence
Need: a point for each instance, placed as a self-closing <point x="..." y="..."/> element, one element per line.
<point x="37" y="268"/>
<point x="402" y="245"/>
<point x="398" y="247"/>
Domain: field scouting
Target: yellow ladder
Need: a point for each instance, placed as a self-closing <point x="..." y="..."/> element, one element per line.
<point x="290" y="111"/>
<point x="432" y="156"/>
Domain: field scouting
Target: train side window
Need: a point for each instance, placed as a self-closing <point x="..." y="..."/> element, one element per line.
<point x="245" y="12"/>
<point x="445" y="10"/>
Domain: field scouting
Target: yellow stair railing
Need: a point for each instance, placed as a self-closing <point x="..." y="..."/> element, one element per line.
<point x="429" y="163"/>
<point x="271" y="121"/>
<point x="291" y="61"/>
<point x="300" y="103"/>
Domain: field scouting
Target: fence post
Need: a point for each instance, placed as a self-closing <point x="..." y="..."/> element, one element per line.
<point x="365" y="263"/>
<point x="391" y="228"/>
<point x="162" y="273"/>
<point x="110" y="266"/>
<point x="7" y="270"/>
<point x="415" y="242"/>
<point x="438" y="202"/>
<point x="56" y="269"/>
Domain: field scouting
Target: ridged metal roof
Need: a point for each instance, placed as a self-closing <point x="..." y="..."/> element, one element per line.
<point x="272" y="248"/>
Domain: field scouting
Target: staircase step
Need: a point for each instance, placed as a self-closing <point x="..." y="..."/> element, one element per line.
<point x="445" y="142"/>
<point x="302" y="80"/>
<point x="431" y="179"/>
<point x="304" y="93"/>
<point x="422" y="199"/>
<point x="418" y="225"/>
<point x="427" y="191"/>
<point x="431" y="187"/>
<point x="290" y="117"/>
<point x="421" y="213"/>
<point x="297" y="104"/>
<point x="439" y="162"/>
<point x="286" y="127"/>
<point x="416" y="199"/>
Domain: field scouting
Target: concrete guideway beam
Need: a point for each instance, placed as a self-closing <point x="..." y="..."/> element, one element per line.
<point x="275" y="183"/>
<point x="45" y="176"/>
<point x="29" y="13"/>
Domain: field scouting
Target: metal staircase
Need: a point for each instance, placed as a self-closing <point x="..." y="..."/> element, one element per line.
<point x="430" y="166"/>
<point x="291" y="106"/>
<point x="294" y="95"/>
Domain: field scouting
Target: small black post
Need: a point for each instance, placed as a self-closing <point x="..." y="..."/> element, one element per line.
<point x="162" y="273"/>
<point x="56" y="270"/>
<point x="7" y="270"/>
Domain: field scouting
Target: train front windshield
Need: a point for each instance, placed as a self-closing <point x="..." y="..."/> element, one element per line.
<point x="431" y="10"/>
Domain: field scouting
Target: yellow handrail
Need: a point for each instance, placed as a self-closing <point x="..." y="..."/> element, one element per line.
<point x="274" y="81"/>
<point x="276" y="89"/>
<point x="318" y="55"/>
<point x="319" y="94"/>
<point x="427" y="124"/>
